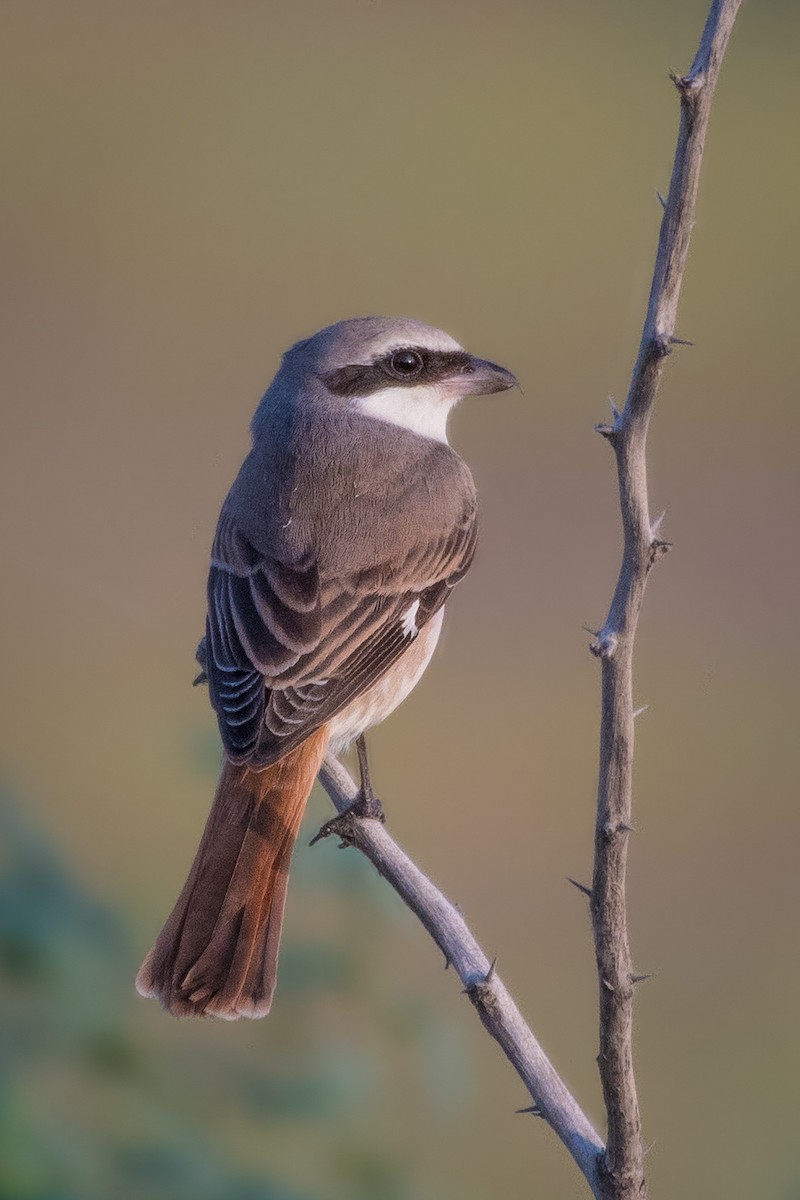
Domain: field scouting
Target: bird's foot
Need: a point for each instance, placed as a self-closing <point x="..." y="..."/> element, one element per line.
<point x="345" y="824"/>
<point x="366" y="808"/>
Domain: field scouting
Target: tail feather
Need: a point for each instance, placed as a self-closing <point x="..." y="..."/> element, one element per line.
<point x="217" y="954"/>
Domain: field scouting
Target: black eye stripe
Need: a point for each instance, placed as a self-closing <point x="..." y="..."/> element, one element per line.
<point x="360" y="379"/>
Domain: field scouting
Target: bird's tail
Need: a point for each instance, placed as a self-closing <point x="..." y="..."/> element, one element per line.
<point x="217" y="954"/>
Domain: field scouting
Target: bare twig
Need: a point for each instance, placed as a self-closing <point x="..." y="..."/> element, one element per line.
<point x="622" y="1165"/>
<point x="495" y="1007"/>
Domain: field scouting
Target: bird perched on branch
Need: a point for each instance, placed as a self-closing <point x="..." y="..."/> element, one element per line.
<point x="337" y="547"/>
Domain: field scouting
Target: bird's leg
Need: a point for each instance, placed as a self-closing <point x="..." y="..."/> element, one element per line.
<point x="368" y="803"/>
<point x="366" y="807"/>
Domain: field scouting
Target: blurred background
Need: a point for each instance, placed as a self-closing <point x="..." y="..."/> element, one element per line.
<point x="188" y="188"/>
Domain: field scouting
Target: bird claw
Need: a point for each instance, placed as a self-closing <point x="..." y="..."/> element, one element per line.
<point x="366" y="807"/>
<point x="345" y="824"/>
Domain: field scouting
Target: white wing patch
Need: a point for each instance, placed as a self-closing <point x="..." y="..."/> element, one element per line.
<point x="410" y="620"/>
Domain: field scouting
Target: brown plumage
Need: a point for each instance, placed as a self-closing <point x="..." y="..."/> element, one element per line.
<point x="217" y="954"/>
<point x="346" y="530"/>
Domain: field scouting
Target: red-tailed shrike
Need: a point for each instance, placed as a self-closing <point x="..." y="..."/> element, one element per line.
<point x="348" y="526"/>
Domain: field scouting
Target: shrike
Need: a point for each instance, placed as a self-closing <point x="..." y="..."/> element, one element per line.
<point x="350" y="523"/>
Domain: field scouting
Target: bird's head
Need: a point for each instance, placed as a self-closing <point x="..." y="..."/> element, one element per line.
<point x="395" y="370"/>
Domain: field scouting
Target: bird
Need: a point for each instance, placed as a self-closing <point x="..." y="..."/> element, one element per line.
<point x="350" y="523"/>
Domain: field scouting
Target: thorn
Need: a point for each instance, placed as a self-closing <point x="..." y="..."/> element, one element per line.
<point x="626" y="828"/>
<point x="661" y="345"/>
<point x="477" y="990"/>
<point x="604" y="645"/>
<point x="198" y="679"/>
<point x="655" y="526"/>
<point x="617" y="422"/>
<point x="609" y="987"/>
<point x="641" y="978"/>
<point x="661" y="200"/>
<point x="532" y="1108"/>
<point x="593" y="632"/>
<point x="648" y="1148"/>
<point x="637" y="712"/>
<point x="580" y="886"/>
<point x="658" y="549"/>
<point x="676" y="341"/>
<point x="446" y="962"/>
<point x="687" y="85"/>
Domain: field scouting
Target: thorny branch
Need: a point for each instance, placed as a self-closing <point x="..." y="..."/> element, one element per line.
<point x="482" y="984"/>
<point x="623" y="1163"/>
<point x="615" y="1172"/>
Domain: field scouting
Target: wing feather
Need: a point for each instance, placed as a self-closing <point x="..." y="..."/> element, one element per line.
<point x="286" y="649"/>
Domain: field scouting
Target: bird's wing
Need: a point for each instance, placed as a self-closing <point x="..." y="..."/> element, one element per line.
<point x="287" y="650"/>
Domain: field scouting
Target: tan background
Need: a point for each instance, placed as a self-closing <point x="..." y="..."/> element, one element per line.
<point x="186" y="189"/>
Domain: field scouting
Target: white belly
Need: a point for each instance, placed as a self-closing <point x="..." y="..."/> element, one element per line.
<point x="375" y="704"/>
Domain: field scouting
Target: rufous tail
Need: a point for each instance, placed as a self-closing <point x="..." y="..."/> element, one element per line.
<point x="217" y="955"/>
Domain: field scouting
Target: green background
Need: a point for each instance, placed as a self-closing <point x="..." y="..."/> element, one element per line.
<point x="186" y="189"/>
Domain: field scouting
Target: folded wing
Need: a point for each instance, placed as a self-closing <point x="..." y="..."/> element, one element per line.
<point x="286" y="649"/>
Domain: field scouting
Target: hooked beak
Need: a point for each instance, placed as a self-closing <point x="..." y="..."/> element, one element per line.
<point x="483" y="378"/>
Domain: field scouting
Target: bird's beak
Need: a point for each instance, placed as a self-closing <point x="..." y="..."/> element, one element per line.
<point x="483" y="378"/>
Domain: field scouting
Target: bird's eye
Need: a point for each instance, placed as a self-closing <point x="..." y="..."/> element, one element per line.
<point x="405" y="363"/>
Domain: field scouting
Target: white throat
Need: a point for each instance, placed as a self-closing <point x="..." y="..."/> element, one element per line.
<point x="423" y="410"/>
